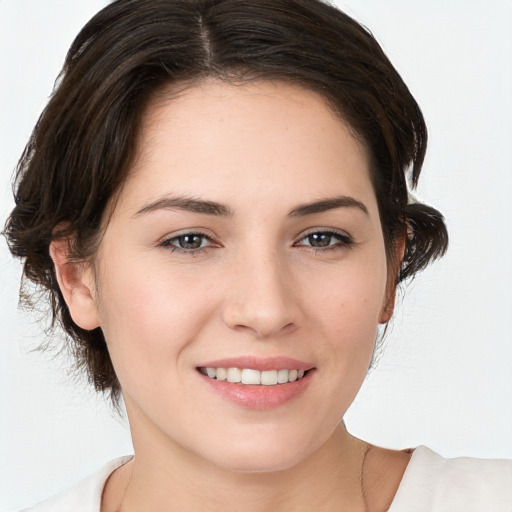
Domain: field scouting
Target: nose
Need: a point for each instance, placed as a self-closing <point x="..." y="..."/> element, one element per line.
<point x="261" y="298"/>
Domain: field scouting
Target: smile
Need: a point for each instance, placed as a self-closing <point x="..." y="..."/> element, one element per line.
<point x="252" y="377"/>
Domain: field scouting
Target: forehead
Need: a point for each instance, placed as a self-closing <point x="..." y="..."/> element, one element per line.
<point x="228" y="141"/>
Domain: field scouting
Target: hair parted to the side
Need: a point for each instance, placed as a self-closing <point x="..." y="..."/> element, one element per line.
<point x="81" y="148"/>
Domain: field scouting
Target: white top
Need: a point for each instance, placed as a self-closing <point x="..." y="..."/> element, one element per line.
<point x="430" y="483"/>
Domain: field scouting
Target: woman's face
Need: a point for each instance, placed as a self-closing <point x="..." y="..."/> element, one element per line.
<point x="246" y="237"/>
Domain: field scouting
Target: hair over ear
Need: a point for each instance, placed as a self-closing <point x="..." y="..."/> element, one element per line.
<point x="427" y="238"/>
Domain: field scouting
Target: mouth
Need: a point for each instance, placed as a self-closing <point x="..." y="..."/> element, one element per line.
<point x="252" y="377"/>
<point x="257" y="383"/>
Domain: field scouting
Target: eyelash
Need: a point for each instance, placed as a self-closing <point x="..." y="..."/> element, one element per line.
<point x="344" y="241"/>
<point x="168" y="243"/>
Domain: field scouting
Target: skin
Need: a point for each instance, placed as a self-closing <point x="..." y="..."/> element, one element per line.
<point x="256" y="287"/>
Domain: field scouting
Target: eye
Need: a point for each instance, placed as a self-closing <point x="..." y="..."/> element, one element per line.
<point x="325" y="240"/>
<point x="187" y="242"/>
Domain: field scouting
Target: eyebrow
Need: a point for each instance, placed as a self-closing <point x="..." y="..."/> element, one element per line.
<point x="219" y="209"/>
<point x="325" y="205"/>
<point x="187" y="204"/>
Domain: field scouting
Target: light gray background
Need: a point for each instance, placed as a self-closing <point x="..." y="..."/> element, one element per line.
<point x="445" y="379"/>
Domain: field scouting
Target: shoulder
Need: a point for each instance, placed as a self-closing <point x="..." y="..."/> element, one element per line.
<point x="85" y="496"/>
<point x="435" y="484"/>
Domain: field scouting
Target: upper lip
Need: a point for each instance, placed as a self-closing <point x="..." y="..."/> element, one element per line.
<point x="259" y="363"/>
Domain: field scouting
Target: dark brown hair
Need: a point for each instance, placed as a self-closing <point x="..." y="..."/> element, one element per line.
<point x="81" y="148"/>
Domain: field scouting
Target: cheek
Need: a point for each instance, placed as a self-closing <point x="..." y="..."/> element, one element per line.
<point x="149" y="316"/>
<point x="349" y="299"/>
<point x="343" y="308"/>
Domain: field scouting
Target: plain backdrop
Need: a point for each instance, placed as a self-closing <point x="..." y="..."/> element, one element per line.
<point x="445" y="377"/>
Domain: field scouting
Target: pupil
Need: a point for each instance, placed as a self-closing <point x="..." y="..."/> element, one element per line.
<point x="319" y="239"/>
<point x="190" y="241"/>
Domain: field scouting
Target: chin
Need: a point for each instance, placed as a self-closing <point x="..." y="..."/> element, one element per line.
<point x="266" y="464"/>
<point x="265" y="455"/>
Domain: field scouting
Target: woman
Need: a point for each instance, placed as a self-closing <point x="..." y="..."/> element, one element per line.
<point x="216" y="200"/>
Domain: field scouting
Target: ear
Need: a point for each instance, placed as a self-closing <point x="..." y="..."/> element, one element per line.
<point x="76" y="283"/>
<point x="394" y="265"/>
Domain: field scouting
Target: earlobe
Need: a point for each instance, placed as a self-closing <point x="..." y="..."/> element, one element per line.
<point x="388" y="308"/>
<point x="76" y="283"/>
<point x="394" y="268"/>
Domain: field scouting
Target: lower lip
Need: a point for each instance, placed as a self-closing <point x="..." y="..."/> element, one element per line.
<point x="259" y="397"/>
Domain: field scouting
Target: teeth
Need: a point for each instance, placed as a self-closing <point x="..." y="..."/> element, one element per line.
<point x="233" y="374"/>
<point x="282" y="376"/>
<point x="253" y="377"/>
<point x="269" y="378"/>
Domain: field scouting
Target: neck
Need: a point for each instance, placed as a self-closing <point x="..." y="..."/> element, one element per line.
<point x="167" y="478"/>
